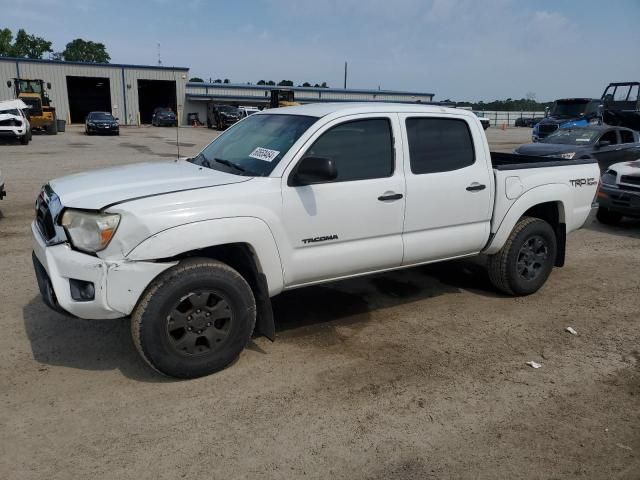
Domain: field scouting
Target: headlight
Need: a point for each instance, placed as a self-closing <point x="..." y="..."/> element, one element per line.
<point x="568" y="155"/>
<point x="90" y="231"/>
<point x="609" y="177"/>
<point x="91" y="124"/>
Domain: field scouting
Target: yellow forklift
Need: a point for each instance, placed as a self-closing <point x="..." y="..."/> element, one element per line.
<point x="282" y="98"/>
<point x="41" y="114"/>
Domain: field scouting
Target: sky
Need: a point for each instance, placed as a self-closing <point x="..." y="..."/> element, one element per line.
<point x="458" y="49"/>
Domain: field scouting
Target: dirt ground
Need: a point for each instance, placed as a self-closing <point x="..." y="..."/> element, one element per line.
<point x="413" y="374"/>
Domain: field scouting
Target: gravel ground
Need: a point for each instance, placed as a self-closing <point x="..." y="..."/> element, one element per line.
<point x="413" y="374"/>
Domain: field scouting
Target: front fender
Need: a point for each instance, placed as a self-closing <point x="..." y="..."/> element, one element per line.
<point x="555" y="192"/>
<point x="209" y="233"/>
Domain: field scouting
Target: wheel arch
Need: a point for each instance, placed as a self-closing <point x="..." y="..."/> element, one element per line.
<point x="550" y="203"/>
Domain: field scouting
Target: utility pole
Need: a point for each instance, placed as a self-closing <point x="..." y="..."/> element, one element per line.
<point x="345" y="75"/>
<point x="159" y="59"/>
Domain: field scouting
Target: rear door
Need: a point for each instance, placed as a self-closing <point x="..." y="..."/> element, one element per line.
<point x="449" y="188"/>
<point x="353" y="224"/>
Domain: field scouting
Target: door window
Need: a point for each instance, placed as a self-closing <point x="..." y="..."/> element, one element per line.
<point x="439" y="145"/>
<point x="360" y="150"/>
<point x="610" y="137"/>
<point x="626" y="136"/>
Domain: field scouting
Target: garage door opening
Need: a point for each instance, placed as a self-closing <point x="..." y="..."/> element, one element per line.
<point x="87" y="94"/>
<point x="153" y="94"/>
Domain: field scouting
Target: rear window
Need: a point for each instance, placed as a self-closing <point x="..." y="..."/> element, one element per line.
<point x="439" y="145"/>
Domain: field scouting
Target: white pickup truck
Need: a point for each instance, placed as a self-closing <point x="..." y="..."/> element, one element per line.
<point x="193" y="249"/>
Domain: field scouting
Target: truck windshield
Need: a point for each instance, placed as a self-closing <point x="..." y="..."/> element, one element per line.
<point x="254" y="146"/>
<point x="570" y="109"/>
<point x="571" y="136"/>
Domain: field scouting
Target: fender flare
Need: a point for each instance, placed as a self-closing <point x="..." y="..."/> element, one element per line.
<point x="555" y="192"/>
<point x="251" y="231"/>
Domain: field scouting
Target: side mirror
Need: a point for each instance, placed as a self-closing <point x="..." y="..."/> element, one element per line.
<point x="9" y="83"/>
<point x="603" y="143"/>
<point x="312" y="170"/>
<point x="546" y="111"/>
<point x="48" y="85"/>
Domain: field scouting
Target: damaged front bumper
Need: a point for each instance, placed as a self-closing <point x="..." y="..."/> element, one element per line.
<point x="86" y="286"/>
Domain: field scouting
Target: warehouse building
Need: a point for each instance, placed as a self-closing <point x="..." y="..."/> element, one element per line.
<point x="132" y="92"/>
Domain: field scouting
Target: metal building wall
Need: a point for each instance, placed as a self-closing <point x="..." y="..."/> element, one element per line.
<point x="122" y="80"/>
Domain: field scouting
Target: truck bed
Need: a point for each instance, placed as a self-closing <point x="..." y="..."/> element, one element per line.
<point x="514" y="161"/>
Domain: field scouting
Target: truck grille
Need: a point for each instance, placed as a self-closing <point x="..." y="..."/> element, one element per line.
<point x="632" y="180"/>
<point x="48" y="207"/>
<point x="547" y="128"/>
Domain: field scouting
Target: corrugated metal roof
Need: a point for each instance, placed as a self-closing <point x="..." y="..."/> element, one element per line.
<point x="90" y="64"/>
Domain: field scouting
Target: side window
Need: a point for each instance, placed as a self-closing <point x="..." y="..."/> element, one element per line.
<point x="360" y="150"/>
<point x="626" y="136"/>
<point x="633" y="94"/>
<point x="610" y="136"/>
<point x="439" y="145"/>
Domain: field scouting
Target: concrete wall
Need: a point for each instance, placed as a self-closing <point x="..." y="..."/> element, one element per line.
<point x="122" y="80"/>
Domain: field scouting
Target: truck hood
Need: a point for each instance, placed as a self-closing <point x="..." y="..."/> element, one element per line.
<point x="627" y="168"/>
<point x="542" y="149"/>
<point x="96" y="189"/>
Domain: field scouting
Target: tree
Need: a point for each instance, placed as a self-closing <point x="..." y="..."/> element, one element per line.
<point x="271" y="82"/>
<point x="324" y="85"/>
<point x="226" y="80"/>
<point x="285" y="83"/>
<point x="306" y="84"/>
<point x="261" y="82"/>
<point x="25" y="45"/>
<point x="196" y="79"/>
<point x="6" y="37"/>
<point x="217" y="80"/>
<point x="80" y="50"/>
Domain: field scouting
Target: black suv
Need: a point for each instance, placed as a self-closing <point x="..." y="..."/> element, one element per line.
<point x="222" y="116"/>
<point x="163" y="117"/>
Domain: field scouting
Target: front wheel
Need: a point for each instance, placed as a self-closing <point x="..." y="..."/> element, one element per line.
<point x="195" y="319"/>
<point x="608" y="217"/>
<point x="525" y="261"/>
<point x="24" y="140"/>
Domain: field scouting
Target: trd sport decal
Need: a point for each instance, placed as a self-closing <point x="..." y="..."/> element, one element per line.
<point x="320" y="239"/>
<point x="581" y="182"/>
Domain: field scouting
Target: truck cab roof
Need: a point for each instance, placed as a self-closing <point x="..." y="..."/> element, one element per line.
<point x="323" y="109"/>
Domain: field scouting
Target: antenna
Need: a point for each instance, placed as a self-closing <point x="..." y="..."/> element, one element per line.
<point x="159" y="57"/>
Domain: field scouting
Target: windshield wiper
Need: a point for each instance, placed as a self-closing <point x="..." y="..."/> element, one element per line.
<point x="235" y="166"/>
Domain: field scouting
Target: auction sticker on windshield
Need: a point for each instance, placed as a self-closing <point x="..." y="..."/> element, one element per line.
<point x="264" y="154"/>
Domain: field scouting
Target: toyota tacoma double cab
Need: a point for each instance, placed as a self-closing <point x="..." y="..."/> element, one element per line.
<point x="192" y="250"/>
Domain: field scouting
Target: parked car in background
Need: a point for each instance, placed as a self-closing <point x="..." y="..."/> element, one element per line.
<point x="608" y="145"/>
<point x="246" y="111"/>
<point x="222" y="116"/>
<point x="102" y="123"/>
<point x="486" y="123"/>
<point x="14" y="122"/>
<point x="619" y="192"/>
<point x="192" y="250"/>
<point x="566" y="113"/>
<point x="3" y="192"/>
<point x="527" y="121"/>
<point x="163" y="117"/>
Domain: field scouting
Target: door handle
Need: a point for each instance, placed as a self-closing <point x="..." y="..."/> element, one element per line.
<point x="476" y="187"/>
<point x="390" y="196"/>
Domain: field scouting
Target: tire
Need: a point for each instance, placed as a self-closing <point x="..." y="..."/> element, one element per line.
<point x="52" y="128"/>
<point x="24" y="140"/>
<point x="526" y="259"/>
<point x="172" y="324"/>
<point x="608" y="217"/>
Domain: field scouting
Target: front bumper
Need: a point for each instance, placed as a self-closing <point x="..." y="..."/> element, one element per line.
<point x="13" y="133"/>
<point x="117" y="284"/>
<point x="166" y="122"/>
<point x="3" y="192"/>
<point x="101" y="129"/>
<point x="626" y="202"/>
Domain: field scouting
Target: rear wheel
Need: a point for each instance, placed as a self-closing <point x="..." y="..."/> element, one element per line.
<point x="525" y="261"/>
<point x="195" y="319"/>
<point x="608" y="217"/>
<point x="52" y="128"/>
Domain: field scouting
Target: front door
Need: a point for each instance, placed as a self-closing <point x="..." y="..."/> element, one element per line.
<point x="449" y="188"/>
<point x="353" y="224"/>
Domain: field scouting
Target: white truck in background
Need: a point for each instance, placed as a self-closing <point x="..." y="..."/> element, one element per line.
<point x="193" y="249"/>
